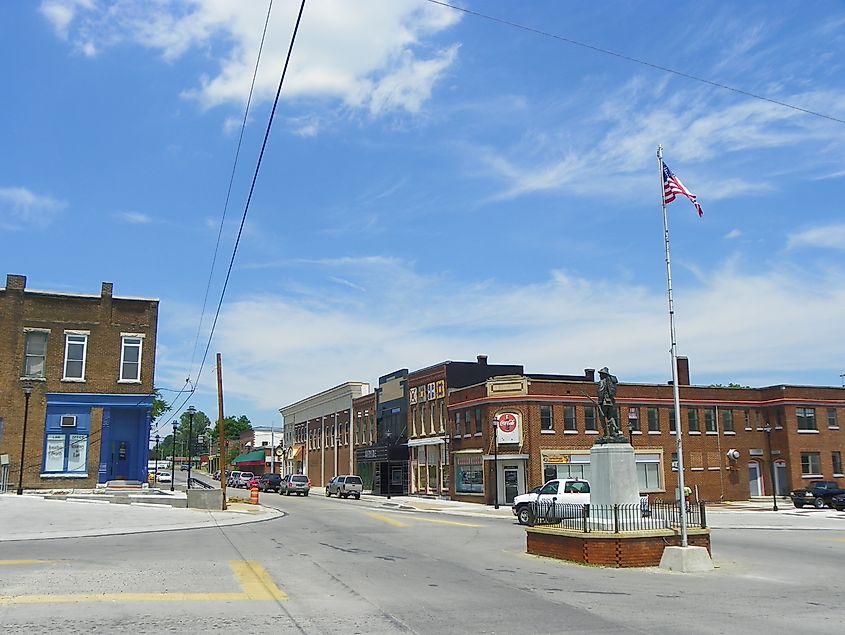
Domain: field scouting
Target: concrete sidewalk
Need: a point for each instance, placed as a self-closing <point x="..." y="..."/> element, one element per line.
<point x="36" y="518"/>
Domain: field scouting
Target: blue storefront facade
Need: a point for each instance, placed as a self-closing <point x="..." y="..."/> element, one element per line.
<point x="87" y="433"/>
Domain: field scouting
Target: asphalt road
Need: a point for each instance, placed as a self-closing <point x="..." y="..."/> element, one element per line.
<point x="345" y="566"/>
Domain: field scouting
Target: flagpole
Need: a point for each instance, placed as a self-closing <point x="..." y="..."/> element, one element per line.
<point x="674" y="353"/>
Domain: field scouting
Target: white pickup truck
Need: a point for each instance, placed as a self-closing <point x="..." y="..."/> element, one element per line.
<point x="558" y="491"/>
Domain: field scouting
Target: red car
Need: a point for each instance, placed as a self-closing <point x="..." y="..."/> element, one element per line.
<point x="252" y="483"/>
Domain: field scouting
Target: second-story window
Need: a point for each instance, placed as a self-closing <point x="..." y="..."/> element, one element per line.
<point x="590" y="419"/>
<point x="569" y="418"/>
<point x="130" y="359"/>
<point x="728" y="420"/>
<point x="692" y="419"/>
<point x="806" y="419"/>
<point x="35" y="353"/>
<point x="76" y="346"/>
<point x="710" y="419"/>
<point x="547" y="421"/>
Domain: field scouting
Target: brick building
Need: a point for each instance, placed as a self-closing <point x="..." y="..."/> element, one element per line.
<point x="728" y="453"/>
<point x="77" y="372"/>
<point x="430" y="431"/>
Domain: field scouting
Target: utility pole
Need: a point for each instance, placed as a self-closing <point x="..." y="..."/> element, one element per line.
<point x="221" y="427"/>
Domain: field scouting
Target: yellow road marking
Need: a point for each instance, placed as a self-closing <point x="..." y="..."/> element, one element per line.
<point x="387" y="519"/>
<point x="255" y="581"/>
<point x="256" y="585"/>
<point x="447" y="522"/>
<point x="14" y="562"/>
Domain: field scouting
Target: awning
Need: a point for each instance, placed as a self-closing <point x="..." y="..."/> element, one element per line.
<point x="250" y="457"/>
<point x="412" y="443"/>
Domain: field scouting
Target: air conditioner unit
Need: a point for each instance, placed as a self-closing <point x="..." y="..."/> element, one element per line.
<point x="68" y="421"/>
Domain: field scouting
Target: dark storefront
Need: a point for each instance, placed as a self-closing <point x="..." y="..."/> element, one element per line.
<point x="383" y="466"/>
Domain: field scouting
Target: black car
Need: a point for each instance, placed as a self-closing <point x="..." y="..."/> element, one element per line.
<point x="270" y="482"/>
<point x="817" y="493"/>
<point x="838" y="502"/>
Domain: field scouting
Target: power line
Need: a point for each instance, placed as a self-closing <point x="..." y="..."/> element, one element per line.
<point x="252" y="188"/>
<point x="231" y="181"/>
<point x="628" y="58"/>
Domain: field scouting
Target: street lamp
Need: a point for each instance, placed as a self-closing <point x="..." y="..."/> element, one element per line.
<point x="387" y="435"/>
<point x="173" y="459"/>
<point x="768" y="431"/>
<point x="191" y="412"/>
<point x="496" y="462"/>
<point x="155" y="471"/>
<point x="27" y="391"/>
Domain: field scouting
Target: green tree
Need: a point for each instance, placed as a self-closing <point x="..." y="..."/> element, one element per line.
<point x="160" y="406"/>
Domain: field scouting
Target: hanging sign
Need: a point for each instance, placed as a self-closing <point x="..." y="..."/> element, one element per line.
<point x="509" y="428"/>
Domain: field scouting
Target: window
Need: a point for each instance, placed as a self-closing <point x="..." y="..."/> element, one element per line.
<point x="832" y="423"/>
<point x="35" y="352"/>
<point x="75" y="346"/>
<point x="747" y="416"/>
<point x="672" y="426"/>
<point x="710" y="420"/>
<point x="569" y="418"/>
<point x="634" y="418"/>
<point x="810" y="464"/>
<point x="458" y="423"/>
<point x="547" y="422"/>
<point x="653" y="420"/>
<point x="692" y="419"/>
<point x="590" y="419"/>
<point x="468" y="416"/>
<point x="66" y="446"/>
<point x="469" y="476"/>
<point x="728" y="420"/>
<point x="836" y="456"/>
<point x="130" y="359"/>
<point x="478" y="421"/>
<point x="648" y="472"/>
<point x="806" y="418"/>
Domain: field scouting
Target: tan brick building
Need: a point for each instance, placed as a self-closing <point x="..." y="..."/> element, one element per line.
<point x="76" y="371"/>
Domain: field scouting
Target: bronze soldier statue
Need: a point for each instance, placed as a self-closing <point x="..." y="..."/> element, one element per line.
<point x="607" y="408"/>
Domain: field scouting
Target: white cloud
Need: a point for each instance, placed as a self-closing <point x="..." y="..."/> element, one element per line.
<point x="734" y="233"/>
<point x="20" y="207"/>
<point x="134" y="218"/>
<point x="369" y="54"/>
<point x="731" y="323"/>
<point x="827" y="236"/>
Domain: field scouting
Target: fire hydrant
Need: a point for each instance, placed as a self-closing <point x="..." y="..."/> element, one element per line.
<point x="253" y="496"/>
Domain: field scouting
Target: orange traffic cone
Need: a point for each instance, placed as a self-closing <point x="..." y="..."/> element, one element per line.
<point x="253" y="496"/>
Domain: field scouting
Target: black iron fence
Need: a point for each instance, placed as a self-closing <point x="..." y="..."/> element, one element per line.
<point x="617" y="518"/>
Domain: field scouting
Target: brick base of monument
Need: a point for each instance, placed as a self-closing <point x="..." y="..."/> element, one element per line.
<point x="629" y="549"/>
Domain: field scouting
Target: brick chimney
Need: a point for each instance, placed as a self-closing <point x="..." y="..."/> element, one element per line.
<point x="482" y="360"/>
<point x="683" y="371"/>
<point x="590" y="374"/>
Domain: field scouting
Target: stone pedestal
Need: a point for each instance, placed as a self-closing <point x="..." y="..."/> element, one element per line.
<point x="613" y="475"/>
<point x="686" y="559"/>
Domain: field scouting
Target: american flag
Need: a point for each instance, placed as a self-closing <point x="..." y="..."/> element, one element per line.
<point x="672" y="185"/>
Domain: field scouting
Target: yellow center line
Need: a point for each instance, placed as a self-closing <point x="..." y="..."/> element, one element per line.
<point x="16" y="562"/>
<point x="254" y="581"/>
<point x="447" y="522"/>
<point x="387" y="519"/>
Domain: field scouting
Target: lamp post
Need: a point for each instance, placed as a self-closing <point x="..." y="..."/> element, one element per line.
<point x="768" y="431"/>
<point x="496" y="462"/>
<point x="27" y="391"/>
<point x="387" y="436"/>
<point x="155" y="471"/>
<point x="173" y="459"/>
<point x="191" y="412"/>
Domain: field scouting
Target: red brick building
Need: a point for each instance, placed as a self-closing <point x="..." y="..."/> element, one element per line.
<point x="76" y="371"/>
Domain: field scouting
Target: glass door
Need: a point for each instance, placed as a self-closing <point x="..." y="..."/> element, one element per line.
<point x="755" y="481"/>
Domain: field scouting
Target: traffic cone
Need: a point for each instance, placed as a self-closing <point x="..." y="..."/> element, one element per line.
<point x="253" y="496"/>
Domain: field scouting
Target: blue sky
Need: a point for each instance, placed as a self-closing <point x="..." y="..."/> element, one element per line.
<point x="436" y="185"/>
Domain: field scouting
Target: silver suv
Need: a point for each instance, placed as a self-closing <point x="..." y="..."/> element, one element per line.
<point x="345" y="486"/>
<point x="298" y="484"/>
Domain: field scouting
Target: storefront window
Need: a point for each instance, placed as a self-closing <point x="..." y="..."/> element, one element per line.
<point x="469" y="476"/>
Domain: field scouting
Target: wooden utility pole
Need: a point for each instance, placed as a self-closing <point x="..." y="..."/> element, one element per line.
<point x="221" y="427"/>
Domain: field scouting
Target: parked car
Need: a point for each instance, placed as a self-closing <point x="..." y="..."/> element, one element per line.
<point x="270" y="483"/>
<point x="298" y="484"/>
<point x="838" y="502"/>
<point x="566" y="492"/>
<point x="817" y="493"/>
<point x="164" y="477"/>
<point x="233" y="478"/>
<point x="345" y="486"/>
<point x="184" y="467"/>
<point x="244" y="478"/>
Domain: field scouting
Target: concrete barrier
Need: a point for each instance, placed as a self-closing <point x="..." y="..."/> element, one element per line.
<point x="205" y="499"/>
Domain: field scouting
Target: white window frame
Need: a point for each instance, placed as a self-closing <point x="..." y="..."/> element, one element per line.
<point x="68" y="335"/>
<point x="123" y="345"/>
